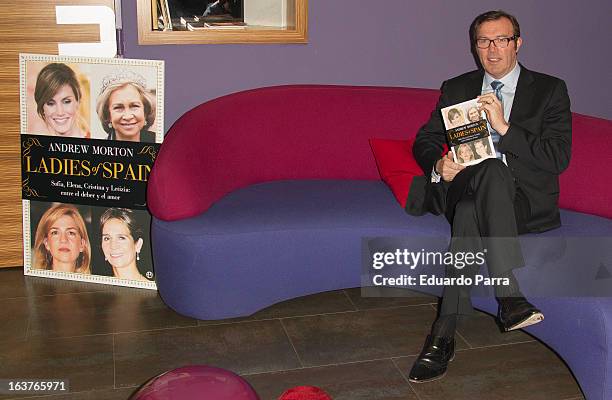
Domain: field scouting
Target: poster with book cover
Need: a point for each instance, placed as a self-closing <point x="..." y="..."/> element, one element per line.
<point x="467" y="133"/>
<point x="91" y="129"/>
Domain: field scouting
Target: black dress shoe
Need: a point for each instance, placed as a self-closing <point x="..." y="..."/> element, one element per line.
<point x="516" y="313"/>
<point x="433" y="360"/>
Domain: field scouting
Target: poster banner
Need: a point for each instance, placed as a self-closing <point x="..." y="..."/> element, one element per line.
<point x="90" y="131"/>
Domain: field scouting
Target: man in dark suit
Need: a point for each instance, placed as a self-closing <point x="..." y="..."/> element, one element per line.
<point x="489" y="204"/>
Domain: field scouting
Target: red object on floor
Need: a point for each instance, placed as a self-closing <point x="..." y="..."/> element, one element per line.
<point x="196" y="382"/>
<point x="305" y="393"/>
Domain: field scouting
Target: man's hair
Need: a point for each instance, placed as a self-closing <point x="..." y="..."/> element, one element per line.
<point x="492" y="16"/>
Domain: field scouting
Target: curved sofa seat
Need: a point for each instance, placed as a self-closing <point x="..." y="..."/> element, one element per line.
<point x="308" y="234"/>
<point x="275" y="241"/>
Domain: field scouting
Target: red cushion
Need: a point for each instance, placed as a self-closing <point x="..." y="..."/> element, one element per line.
<point x="396" y="165"/>
<point x="305" y="393"/>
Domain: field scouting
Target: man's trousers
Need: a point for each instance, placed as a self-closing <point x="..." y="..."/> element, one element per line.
<point x="487" y="212"/>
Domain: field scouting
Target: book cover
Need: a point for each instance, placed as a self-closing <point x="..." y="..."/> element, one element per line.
<point x="467" y="133"/>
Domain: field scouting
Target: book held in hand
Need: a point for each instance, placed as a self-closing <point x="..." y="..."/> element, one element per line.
<point x="467" y="133"/>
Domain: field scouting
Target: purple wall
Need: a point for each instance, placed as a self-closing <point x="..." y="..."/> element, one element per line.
<point x="392" y="43"/>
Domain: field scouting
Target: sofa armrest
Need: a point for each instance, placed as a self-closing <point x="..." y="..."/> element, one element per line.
<point x="179" y="181"/>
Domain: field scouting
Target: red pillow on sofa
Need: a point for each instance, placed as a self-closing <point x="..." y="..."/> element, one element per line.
<point x="396" y="165"/>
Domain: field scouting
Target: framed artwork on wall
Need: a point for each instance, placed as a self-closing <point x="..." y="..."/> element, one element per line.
<point x="222" y="21"/>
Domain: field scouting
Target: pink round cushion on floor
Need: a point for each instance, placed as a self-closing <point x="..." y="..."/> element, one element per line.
<point x="196" y="382"/>
<point x="305" y="393"/>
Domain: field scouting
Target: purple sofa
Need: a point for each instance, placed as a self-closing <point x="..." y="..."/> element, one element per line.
<point x="265" y="195"/>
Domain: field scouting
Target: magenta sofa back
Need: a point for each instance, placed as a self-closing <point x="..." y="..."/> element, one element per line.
<point x="322" y="132"/>
<point x="285" y="132"/>
<point x="585" y="185"/>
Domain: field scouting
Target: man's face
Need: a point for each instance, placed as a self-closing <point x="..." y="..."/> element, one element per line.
<point x="496" y="61"/>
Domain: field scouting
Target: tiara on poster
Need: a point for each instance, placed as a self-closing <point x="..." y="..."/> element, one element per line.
<point x="123" y="76"/>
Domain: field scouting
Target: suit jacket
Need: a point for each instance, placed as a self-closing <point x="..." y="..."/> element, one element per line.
<point x="537" y="144"/>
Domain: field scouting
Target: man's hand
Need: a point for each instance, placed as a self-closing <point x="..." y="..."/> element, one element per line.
<point x="448" y="168"/>
<point x="495" y="112"/>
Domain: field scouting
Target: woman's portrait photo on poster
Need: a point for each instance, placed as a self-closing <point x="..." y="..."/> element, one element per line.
<point x="92" y="98"/>
<point x="123" y="243"/>
<point x="57" y="97"/>
<point x="126" y="107"/>
<point x="61" y="239"/>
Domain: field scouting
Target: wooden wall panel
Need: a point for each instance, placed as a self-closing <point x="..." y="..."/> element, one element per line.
<point x="10" y="209"/>
<point x="26" y="26"/>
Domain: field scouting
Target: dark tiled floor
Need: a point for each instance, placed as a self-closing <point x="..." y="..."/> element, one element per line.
<point x="108" y="340"/>
<point x="523" y="371"/>
<point x="360" y="335"/>
<point x="87" y="361"/>
<point x="387" y="297"/>
<point x="119" y="310"/>
<point x="247" y="347"/>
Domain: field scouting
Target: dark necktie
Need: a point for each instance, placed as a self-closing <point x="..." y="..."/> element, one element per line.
<point x="497" y="85"/>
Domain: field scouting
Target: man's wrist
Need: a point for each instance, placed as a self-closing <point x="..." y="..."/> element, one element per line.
<point x="504" y="129"/>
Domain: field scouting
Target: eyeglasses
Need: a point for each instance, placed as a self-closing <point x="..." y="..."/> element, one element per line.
<point x="502" y="43"/>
